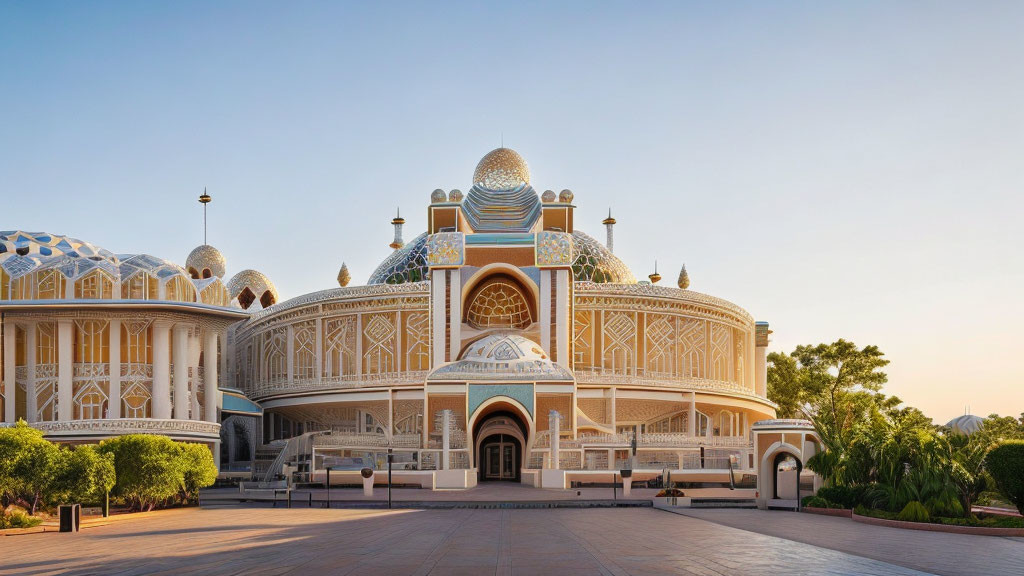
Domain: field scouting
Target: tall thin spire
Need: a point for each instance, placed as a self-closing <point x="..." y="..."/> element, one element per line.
<point x="397" y="223"/>
<point x="204" y="199"/>
<point x="609" y="222"/>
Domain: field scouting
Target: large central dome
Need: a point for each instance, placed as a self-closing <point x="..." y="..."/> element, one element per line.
<point x="501" y="169"/>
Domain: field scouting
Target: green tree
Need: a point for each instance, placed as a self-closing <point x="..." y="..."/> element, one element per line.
<point x="84" y="475"/>
<point x="148" y="469"/>
<point x="199" y="469"/>
<point x="28" y="463"/>
<point x="1005" y="463"/>
<point x="786" y="385"/>
<point x="841" y="380"/>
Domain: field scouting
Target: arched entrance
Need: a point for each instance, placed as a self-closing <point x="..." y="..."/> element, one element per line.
<point x="500" y="440"/>
<point x="786" y="468"/>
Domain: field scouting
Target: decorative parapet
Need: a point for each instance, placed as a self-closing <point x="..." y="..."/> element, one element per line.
<point x="282" y="386"/>
<point x="666" y="381"/>
<point x="593" y="289"/>
<point x="446" y="249"/>
<point x="650" y="440"/>
<point x="554" y="249"/>
<point x="347" y="293"/>
<point x="783" y="423"/>
<point x="367" y="440"/>
<point x="128" y="426"/>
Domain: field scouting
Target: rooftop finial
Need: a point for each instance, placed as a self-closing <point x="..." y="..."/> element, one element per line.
<point x="204" y="199"/>
<point x="655" y="277"/>
<point x="397" y="223"/>
<point x="684" y="278"/>
<point x="608" y="223"/>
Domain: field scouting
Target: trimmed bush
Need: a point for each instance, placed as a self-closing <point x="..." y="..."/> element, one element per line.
<point x="841" y="496"/>
<point x="1005" y="463"/>
<point x="914" y="511"/>
<point x="152" y="469"/>
<point x="816" y="502"/>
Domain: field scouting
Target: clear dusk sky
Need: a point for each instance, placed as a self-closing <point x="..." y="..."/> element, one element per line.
<point x="849" y="170"/>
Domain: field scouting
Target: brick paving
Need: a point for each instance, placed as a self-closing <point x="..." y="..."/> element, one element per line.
<point x="266" y="541"/>
<point x="935" y="552"/>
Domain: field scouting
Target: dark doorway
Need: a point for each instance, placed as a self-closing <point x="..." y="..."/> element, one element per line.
<point x="787" y="470"/>
<point x="499" y="458"/>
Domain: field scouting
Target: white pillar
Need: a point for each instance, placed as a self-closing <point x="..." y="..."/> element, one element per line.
<point x="161" y="371"/>
<point x="761" y="371"/>
<point x="554" y="426"/>
<point x="65" y="369"/>
<point x="437" y="314"/>
<point x="545" y="312"/>
<point x="692" y="421"/>
<point x="455" y="316"/>
<point x="319" y="353"/>
<point x="194" y="351"/>
<point x="180" y="378"/>
<point x="10" y="339"/>
<point x="562" y="321"/>
<point x="31" y="397"/>
<point x="289" y="338"/>
<point x="114" y="396"/>
<point x="211" y="394"/>
<point x="446" y="420"/>
<point x="613" y="419"/>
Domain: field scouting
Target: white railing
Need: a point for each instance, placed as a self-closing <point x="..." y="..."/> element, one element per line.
<point x="90" y="371"/>
<point x="136" y="371"/>
<point x="335" y="440"/>
<point x="591" y="375"/>
<point x="279" y="385"/>
<point x="129" y="426"/>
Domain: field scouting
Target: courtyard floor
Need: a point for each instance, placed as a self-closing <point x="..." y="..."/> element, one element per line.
<point x="262" y="540"/>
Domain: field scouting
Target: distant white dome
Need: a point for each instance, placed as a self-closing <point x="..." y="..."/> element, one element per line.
<point x="967" y="424"/>
<point x="502" y="357"/>
<point x="205" y="258"/>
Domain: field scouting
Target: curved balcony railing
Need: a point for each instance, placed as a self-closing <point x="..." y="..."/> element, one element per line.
<point x="283" y="386"/>
<point x="650" y="440"/>
<point x="367" y="440"/>
<point x="128" y="426"/>
<point x="661" y="380"/>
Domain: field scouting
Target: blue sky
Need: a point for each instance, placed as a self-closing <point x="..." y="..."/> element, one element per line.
<point x="839" y="169"/>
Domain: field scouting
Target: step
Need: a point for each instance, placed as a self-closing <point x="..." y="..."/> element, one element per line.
<point x="723" y="503"/>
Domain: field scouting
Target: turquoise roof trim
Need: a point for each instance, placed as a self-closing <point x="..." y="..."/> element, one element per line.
<point x="480" y="393"/>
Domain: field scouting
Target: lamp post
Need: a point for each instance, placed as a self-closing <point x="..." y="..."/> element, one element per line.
<point x="391" y="457"/>
<point x="328" y="503"/>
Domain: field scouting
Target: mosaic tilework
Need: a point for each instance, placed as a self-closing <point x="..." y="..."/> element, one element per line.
<point x="480" y="393"/>
<point x="595" y="263"/>
<point x="446" y="249"/>
<point x="501" y="169"/>
<point x="408" y="264"/>
<point x="554" y="249"/>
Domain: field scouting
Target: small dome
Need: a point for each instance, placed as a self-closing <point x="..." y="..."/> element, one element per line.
<point x="566" y="196"/>
<point x="502" y="357"/>
<point x="501" y="169"/>
<point x="594" y="262"/>
<point x="249" y="286"/>
<point x="205" y="262"/>
<point x="967" y="424"/>
<point x="455" y="196"/>
<point x="548" y="196"/>
<point x="437" y="196"/>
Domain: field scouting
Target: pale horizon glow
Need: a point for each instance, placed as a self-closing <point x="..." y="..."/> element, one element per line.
<point x="839" y="170"/>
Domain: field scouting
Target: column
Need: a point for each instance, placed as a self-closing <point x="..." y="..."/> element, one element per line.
<point x="211" y="394"/>
<point x="114" y="397"/>
<point x="455" y="314"/>
<point x="545" y="311"/>
<point x="318" y="368"/>
<point x="446" y="426"/>
<point x="359" y="345"/>
<point x="161" y="371"/>
<point x="180" y="378"/>
<point x="562" y="321"/>
<point x="65" y="370"/>
<point x="761" y="340"/>
<point x="437" y="315"/>
<point x="31" y="408"/>
<point x="10" y="339"/>
<point x="194" y="351"/>
<point x="691" y="422"/>
<point x="613" y="420"/>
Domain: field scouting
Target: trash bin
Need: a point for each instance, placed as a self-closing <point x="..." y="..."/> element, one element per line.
<point x="70" y="517"/>
<point x="627" y="481"/>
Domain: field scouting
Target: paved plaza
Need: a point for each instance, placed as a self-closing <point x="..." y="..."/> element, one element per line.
<point x="262" y="540"/>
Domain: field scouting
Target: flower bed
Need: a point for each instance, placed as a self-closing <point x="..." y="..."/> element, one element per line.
<point x="936" y="527"/>
<point x="838" y="512"/>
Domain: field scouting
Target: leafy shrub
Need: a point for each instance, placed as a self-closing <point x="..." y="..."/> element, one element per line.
<point x="150" y="470"/>
<point x="914" y="511"/>
<point x="945" y="504"/>
<point x="27" y="464"/>
<point x="816" y="502"/>
<point x="987" y="522"/>
<point x="860" y="510"/>
<point x="843" y="496"/>
<point x="198" y="468"/>
<point x="1006" y="465"/>
<point x="19" y="518"/>
<point x="670" y="492"/>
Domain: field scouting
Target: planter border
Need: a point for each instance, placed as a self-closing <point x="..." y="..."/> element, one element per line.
<point x="838" y="512"/>
<point x="947" y="528"/>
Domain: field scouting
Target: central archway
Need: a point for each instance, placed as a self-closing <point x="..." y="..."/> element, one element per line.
<point x="500" y="440"/>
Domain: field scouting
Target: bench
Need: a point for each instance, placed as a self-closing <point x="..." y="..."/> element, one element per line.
<point x="275" y="487"/>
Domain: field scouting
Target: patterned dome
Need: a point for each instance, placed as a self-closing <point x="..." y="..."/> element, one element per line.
<point x="595" y="263"/>
<point x="967" y="424"/>
<point x="205" y="258"/>
<point x="501" y="169"/>
<point x="25" y="252"/>
<point x="249" y="286"/>
<point x="407" y="264"/>
<point x="502" y="357"/>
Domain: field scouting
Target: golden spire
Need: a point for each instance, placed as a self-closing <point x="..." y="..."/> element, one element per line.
<point x="397" y="222"/>
<point x="609" y="219"/>
<point x="343" y="276"/>
<point x="204" y="199"/>
<point x="655" y="277"/>
<point x="684" y="278"/>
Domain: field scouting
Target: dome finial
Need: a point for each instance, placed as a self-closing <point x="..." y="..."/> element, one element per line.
<point x="501" y="169"/>
<point x="343" y="276"/>
<point x="204" y="199"/>
<point x="684" y="278"/>
<point x="655" y="277"/>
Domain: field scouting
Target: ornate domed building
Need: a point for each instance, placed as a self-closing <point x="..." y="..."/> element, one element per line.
<point x="504" y="343"/>
<point x="97" y="344"/>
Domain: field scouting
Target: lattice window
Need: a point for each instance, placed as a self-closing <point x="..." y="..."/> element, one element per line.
<point x="691" y="348"/>
<point x="50" y="285"/>
<point x="721" y="352"/>
<point x="135" y="401"/>
<point x="275" y="363"/>
<point x="215" y="294"/>
<point x="94" y="285"/>
<point x="619" y="334"/>
<point x="379" y="332"/>
<point x="46" y="343"/>
<point x="90" y="403"/>
<point x="498" y="304"/>
<point x="91" y="342"/>
<point x="340" y="340"/>
<point x="583" y="338"/>
<point x="46" y="400"/>
<point x="675" y="424"/>
<point x="740" y="347"/>
<point x="417" y="332"/>
<point x="661" y="337"/>
<point x="408" y="416"/>
<point x="136" y="347"/>
<point x="304" y="364"/>
<point x="141" y="286"/>
<point x="179" y="289"/>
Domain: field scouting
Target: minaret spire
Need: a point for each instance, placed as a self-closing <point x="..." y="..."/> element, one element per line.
<point x="397" y="223"/>
<point x="609" y="222"/>
<point x="204" y="199"/>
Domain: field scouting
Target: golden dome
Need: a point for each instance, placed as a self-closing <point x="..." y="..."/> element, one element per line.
<point x="205" y="261"/>
<point x="501" y="169"/>
<point x="250" y="285"/>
